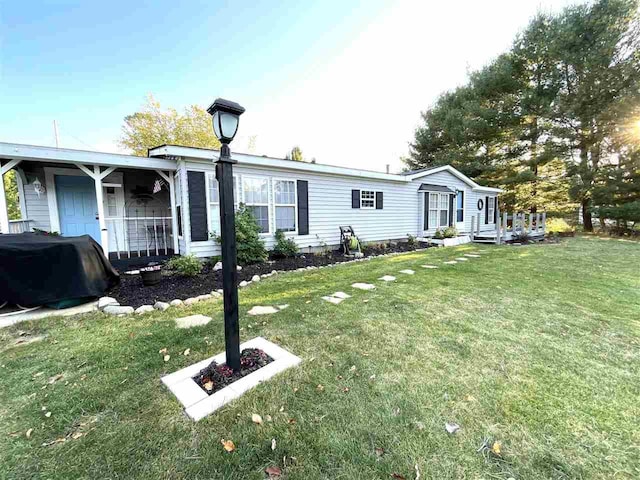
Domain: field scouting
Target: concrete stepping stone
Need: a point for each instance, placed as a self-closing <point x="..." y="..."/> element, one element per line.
<point x="260" y="310"/>
<point x="334" y="300"/>
<point x="192" y="321"/>
<point x="387" y="278"/>
<point x="428" y="266"/>
<point x="341" y="295"/>
<point x="407" y="271"/>
<point x="462" y="259"/>
<point x="363" y="286"/>
<point x="450" y="262"/>
<point x="472" y="255"/>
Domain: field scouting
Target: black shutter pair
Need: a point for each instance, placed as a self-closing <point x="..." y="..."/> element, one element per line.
<point x="486" y="210"/>
<point x="355" y="199"/>
<point x="198" y="206"/>
<point x="426" y="210"/>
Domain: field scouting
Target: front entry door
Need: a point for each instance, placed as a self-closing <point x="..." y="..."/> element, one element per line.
<point x="77" y="206"/>
<point x="459" y="213"/>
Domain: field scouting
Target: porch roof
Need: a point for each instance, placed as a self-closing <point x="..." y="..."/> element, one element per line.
<point x="429" y="187"/>
<point x="17" y="151"/>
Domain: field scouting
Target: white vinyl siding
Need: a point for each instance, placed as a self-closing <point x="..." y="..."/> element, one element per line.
<point x="285" y="195"/>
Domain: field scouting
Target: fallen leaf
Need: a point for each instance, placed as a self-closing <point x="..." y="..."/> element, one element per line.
<point x="29" y="432"/>
<point x="273" y="471"/>
<point x="228" y="445"/>
<point x="83" y="377"/>
<point x="451" y="427"/>
<point x="295" y="389"/>
<point x="14" y="434"/>
<point x="379" y="451"/>
<point x="35" y="375"/>
<point x="162" y="350"/>
<point x="57" y="440"/>
<point x="48" y="414"/>
<point x="257" y="419"/>
<point x="470" y="398"/>
<point x="292" y="421"/>
<point x="320" y="388"/>
<point x="353" y="368"/>
<point x="208" y="386"/>
<point x="131" y="334"/>
<point x="397" y="476"/>
<point x="345" y="389"/>
<point x="339" y="377"/>
<point x="268" y="418"/>
<point x="273" y="444"/>
<point x="496" y="447"/>
<point x="166" y="358"/>
<point x="419" y="425"/>
<point x="372" y="377"/>
<point x="186" y="352"/>
<point x="55" y="378"/>
<point x="417" y="472"/>
<point x="282" y="409"/>
<point x="77" y="435"/>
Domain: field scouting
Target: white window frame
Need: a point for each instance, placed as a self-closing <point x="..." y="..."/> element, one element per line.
<point x="211" y="177"/>
<point x="368" y="199"/>
<point x="438" y="209"/>
<point x="177" y="192"/>
<point x="491" y="209"/>
<point x="295" y="204"/>
<point x="269" y="199"/>
<point x="463" y="193"/>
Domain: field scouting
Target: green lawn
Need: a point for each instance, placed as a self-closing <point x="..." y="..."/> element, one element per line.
<point x="536" y="347"/>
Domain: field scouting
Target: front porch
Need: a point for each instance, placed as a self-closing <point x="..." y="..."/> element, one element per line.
<point x="511" y="227"/>
<point x="127" y="204"/>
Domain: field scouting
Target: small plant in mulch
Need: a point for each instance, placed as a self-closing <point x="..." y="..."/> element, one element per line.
<point x="215" y="377"/>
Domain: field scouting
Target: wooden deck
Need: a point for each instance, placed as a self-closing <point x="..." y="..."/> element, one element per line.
<point x="509" y="228"/>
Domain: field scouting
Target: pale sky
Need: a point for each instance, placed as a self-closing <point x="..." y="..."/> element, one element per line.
<point x="345" y="81"/>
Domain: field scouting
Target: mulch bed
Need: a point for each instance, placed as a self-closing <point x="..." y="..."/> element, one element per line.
<point x="132" y="292"/>
<point x="215" y="377"/>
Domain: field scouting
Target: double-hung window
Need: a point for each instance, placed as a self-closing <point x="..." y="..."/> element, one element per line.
<point x="367" y="199"/>
<point x="284" y="193"/>
<point x="491" y="209"/>
<point x="438" y="210"/>
<point x="460" y="206"/>
<point x="214" y="201"/>
<point x="256" y="199"/>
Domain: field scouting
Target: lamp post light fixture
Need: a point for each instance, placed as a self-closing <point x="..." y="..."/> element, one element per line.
<point x="225" y="117"/>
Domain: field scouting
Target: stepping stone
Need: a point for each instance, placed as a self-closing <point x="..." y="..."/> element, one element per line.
<point x="363" y="286"/>
<point x="451" y="262"/>
<point x="259" y="310"/>
<point x="341" y="295"/>
<point x="282" y="307"/>
<point x="192" y="321"/>
<point x="462" y="259"/>
<point x="407" y="271"/>
<point x="428" y="266"/>
<point x="471" y="255"/>
<point x="387" y="278"/>
<point x="334" y="300"/>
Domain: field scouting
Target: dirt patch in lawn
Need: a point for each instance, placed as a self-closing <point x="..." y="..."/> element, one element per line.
<point x="132" y="292"/>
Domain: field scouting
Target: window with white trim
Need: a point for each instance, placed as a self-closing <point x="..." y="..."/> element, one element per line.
<point x="460" y="206"/>
<point x="284" y="195"/>
<point x="256" y="199"/>
<point x="214" y="201"/>
<point x="438" y="210"/>
<point x="491" y="207"/>
<point x="112" y="202"/>
<point x="367" y="199"/>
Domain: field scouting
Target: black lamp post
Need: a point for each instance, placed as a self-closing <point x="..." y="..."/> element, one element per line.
<point x="225" y="116"/>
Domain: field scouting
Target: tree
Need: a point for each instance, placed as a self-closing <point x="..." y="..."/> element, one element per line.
<point x="153" y="126"/>
<point x="11" y="195"/>
<point x="295" y="155"/>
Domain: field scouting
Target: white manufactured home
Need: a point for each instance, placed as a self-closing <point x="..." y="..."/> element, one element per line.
<point x="167" y="203"/>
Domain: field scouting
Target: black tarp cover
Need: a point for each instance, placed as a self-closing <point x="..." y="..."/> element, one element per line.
<point x="39" y="269"/>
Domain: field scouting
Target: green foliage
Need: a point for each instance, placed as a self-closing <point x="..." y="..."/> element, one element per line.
<point x="11" y="194"/>
<point x="450" y="232"/>
<point x="553" y="121"/>
<point x="250" y="247"/>
<point x="187" y="265"/>
<point x="153" y="126"/>
<point x="284" y="247"/>
<point x="211" y="261"/>
<point x="411" y="240"/>
<point x="438" y="234"/>
<point x="39" y="231"/>
<point x="295" y="154"/>
<point x="557" y="225"/>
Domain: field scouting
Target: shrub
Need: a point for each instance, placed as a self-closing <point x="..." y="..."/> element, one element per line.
<point x="211" y="261"/>
<point x="249" y="245"/>
<point x="284" y="247"/>
<point x="521" y="236"/>
<point x="439" y="235"/>
<point x="187" y="265"/>
<point x="411" y="240"/>
<point x="450" y="232"/>
<point x="557" y="225"/>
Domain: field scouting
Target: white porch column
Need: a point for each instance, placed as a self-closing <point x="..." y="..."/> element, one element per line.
<point x="4" y="213"/>
<point x="174" y="209"/>
<point x="104" y="234"/>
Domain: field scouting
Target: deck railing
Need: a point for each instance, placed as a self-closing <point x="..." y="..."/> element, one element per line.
<point x="139" y="236"/>
<point x="20" y="226"/>
<point x="510" y="226"/>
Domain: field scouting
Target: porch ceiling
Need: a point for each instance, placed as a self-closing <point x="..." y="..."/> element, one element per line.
<point x="16" y="151"/>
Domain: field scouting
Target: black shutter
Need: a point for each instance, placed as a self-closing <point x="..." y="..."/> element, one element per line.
<point x="198" y="206"/>
<point x="355" y="198"/>
<point x="303" y="207"/>
<point x="378" y="200"/>
<point x="495" y="209"/>
<point x="486" y="210"/>
<point x="451" y="197"/>
<point x="426" y="210"/>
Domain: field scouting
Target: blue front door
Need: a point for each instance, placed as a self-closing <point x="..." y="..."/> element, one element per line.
<point x="77" y="207"/>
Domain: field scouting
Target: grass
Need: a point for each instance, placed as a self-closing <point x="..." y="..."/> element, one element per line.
<point x="537" y="347"/>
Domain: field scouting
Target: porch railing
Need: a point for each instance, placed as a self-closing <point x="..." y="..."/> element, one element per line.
<point x="20" y="226"/>
<point x="139" y="236"/>
<point x="510" y="226"/>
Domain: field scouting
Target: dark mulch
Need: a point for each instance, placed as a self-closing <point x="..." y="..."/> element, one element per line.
<point x="132" y="292"/>
<point x="215" y="377"/>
